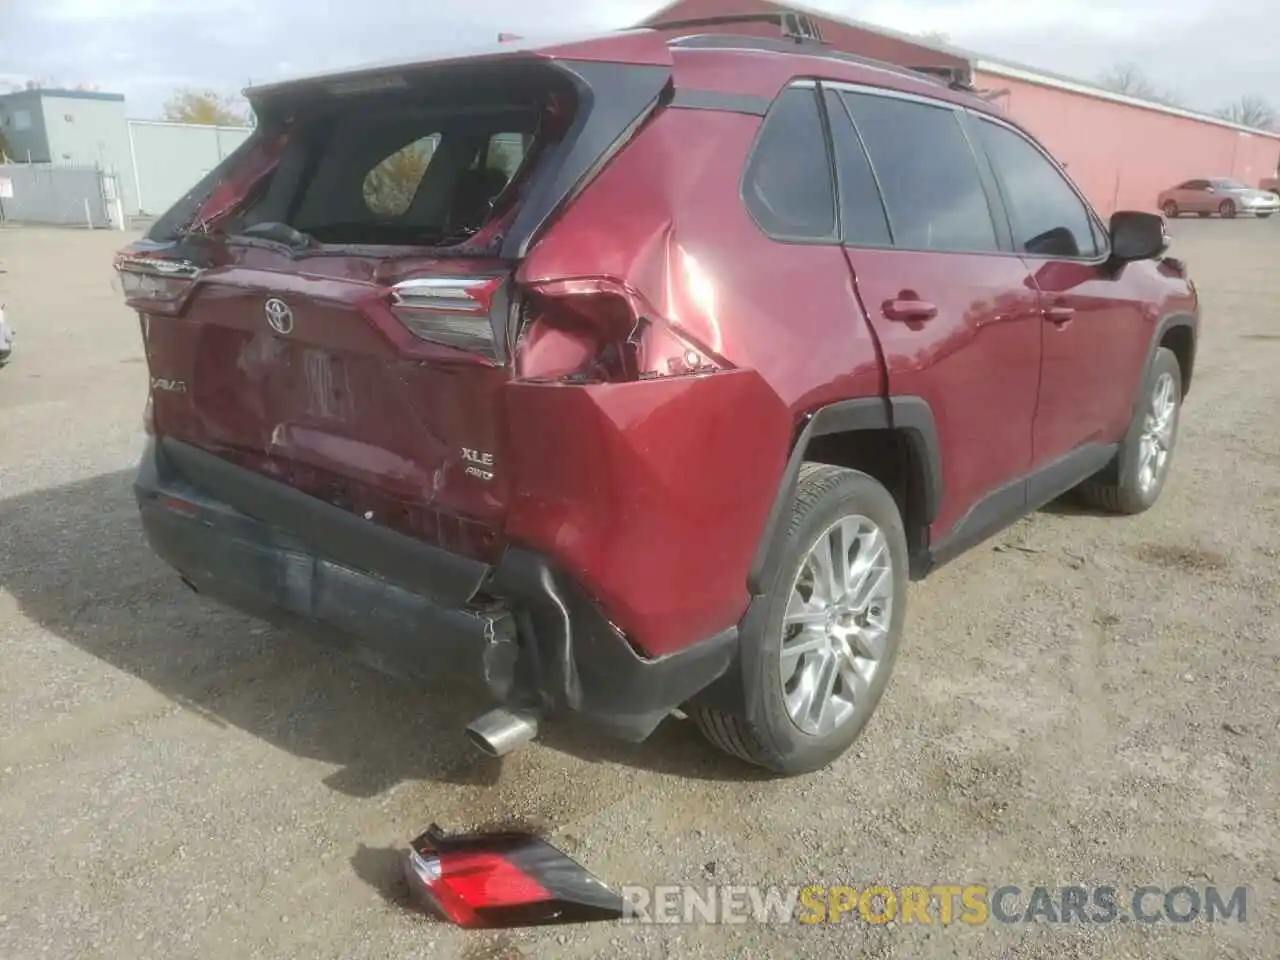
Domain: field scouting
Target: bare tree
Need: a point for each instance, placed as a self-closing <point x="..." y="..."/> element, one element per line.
<point x="1128" y="79"/>
<point x="1250" y="112"/>
<point x="936" y="38"/>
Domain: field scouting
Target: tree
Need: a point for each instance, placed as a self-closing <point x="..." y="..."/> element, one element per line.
<point x="1128" y="79"/>
<point x="4" y="147"/>
<point x="1250" y="112"/>
<point x="390" y="187"/>
<point x="936" y="38"/>
<point x="205" y="106"/>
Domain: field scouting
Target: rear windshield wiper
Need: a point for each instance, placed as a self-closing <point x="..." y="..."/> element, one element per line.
<point x="277" y="232"/>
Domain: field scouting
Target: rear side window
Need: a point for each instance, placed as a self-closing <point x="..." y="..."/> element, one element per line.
<point x="1048" y="217"/>
<point x="927" y="173"/>
<point x="787" y="186"/>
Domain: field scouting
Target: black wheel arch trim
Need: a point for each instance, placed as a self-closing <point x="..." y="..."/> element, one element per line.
<point x="911" y="415"/>
<point x="1171" y="322"/>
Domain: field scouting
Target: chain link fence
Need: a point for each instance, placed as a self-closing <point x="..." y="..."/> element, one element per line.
<point x="59" y="195"/>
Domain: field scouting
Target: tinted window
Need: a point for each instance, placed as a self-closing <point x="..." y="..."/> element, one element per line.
<point x="862" y="216"/>
<point x="1048" y="218"/>
<point x="788" y="186"/>
<point x="927" y="173"/>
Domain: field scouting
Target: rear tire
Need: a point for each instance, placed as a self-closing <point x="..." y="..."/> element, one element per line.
<point x="1227" y="209"/>
<point x="811" y="687"/>
<point x="1142" y="465"/>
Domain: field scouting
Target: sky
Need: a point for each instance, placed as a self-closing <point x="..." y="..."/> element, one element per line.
<point x="1207" y="52"/>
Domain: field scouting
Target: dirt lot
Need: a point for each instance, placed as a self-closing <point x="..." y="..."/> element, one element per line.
<point x="1083" y="701"/>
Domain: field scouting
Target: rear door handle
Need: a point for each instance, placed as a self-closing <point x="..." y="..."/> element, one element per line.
<point x="909" y="310"/>
<point x="1060" y="315"/>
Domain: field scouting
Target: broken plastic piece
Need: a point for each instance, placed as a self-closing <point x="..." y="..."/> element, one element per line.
<point x="508" y="879"/>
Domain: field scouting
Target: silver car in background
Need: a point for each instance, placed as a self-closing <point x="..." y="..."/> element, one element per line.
<point x="1221" y="195"/>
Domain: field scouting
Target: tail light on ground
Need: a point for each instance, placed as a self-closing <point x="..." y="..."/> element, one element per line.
<point x="509" y="879"/>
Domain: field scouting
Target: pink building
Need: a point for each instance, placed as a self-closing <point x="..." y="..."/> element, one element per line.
<point x="1120" y="151"/>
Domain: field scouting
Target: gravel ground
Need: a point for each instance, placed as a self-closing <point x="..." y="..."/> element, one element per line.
<point x="1084" y="700"/>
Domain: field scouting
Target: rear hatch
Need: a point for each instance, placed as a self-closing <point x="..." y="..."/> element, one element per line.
<point x="335" y="305"/>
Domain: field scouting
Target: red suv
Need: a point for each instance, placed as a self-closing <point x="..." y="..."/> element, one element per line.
<point x="639" y="374"/>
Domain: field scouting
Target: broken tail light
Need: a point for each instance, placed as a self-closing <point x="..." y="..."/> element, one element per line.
<point x="598" y="331"/>
<point x="505" y="880"/>
<point x="453" y="311"/>
<point x="155" y="284"/>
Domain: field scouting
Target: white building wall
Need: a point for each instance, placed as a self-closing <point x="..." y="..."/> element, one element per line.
<point x="170" y="158"/>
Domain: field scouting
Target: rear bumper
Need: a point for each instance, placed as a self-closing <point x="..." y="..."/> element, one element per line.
<point x="519" y="631"/>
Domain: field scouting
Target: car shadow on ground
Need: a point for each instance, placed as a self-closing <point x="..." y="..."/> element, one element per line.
<point x="75" y="560"/>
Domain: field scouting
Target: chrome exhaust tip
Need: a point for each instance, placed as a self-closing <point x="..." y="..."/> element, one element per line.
<point x="501" y="731"/>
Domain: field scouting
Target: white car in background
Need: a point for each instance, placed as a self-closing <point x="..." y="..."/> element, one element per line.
<point x="1221" y="195"/>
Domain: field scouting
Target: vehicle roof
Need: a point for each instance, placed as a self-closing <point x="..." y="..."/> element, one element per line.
<point x="712" y="61"/>
<point x="716" y="62"/>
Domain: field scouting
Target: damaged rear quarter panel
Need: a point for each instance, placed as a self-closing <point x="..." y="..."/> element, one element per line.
<point x="652" y="495"/>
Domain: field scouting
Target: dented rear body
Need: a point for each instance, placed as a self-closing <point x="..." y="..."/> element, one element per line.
<point x="488" y="427"/>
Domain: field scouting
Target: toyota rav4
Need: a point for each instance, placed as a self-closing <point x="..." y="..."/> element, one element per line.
<point x="640" y="374"/>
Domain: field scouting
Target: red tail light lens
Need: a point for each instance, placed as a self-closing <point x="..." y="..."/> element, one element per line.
<point x="453" y="311"/>
<point x="505" y="880"/>
<point x="463" y="882"/>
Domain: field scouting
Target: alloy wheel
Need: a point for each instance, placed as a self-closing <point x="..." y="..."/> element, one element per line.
<point x="836" y="627"/>
<point x="1158" y="433"/>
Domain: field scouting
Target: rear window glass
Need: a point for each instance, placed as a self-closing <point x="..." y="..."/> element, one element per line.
<point x="402" y="176"/>
<point x="389" y="188"/>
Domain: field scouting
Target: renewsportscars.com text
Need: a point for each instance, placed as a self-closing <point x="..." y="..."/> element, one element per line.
<point x="941" y="904"/>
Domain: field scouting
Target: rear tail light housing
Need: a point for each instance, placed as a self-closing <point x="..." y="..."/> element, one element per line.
<point x="508" y="879"/>
<point x="599" y="331"/>
<point x="155" y="284"/>
<point x="453" y="311"/>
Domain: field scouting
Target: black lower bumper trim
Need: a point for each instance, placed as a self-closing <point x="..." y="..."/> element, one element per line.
<point x="543" y="644"/>
<point x="338" y="534"/>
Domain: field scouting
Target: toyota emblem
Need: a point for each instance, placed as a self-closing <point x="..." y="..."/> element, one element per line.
<point x="279" y="315"/>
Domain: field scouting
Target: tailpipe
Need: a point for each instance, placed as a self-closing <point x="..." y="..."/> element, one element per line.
<point x="500" y="731"/>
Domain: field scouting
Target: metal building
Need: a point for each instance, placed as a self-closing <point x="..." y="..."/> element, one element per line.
<point x="1120" y="151"/>
<point x="154" y="163"/>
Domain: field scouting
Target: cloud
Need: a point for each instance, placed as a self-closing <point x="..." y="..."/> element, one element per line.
<point x="1210" y="51"/>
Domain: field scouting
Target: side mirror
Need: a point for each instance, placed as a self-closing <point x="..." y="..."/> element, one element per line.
<point x="1137" y="236"/>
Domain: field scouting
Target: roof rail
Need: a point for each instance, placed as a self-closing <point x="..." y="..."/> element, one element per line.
<point x="938" y="75"/>
<point x="799" y="27"/>
<point x="956" y="77"/>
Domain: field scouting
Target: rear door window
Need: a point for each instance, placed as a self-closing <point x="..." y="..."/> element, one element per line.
<point x="788" y="186"/>
<point x="927" y="173"/>
<point x="1048" y="216"/>
<point x="863" y="221"/>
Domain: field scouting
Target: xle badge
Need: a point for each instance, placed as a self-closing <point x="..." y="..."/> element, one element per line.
<point x="479" y="465"/>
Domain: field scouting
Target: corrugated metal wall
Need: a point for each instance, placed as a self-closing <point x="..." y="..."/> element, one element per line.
<point x="170" y="158"/>
<point x="1122" y="156"/>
